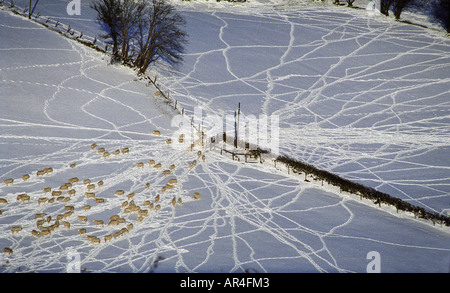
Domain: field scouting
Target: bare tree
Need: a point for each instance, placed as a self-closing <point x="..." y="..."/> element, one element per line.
<point x="398" y="6"/>
<point x="108" y="13"/>
<point x="143" y="30"/>
<point x="441" y="12"/>
<point x="384" y="6"/>
<point x="131" y="14"/>
<point x="160" y="36"/>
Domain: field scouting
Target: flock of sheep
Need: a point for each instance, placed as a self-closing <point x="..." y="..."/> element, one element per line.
<point x="46" y="224"/>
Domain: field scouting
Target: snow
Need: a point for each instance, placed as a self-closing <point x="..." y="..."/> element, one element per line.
<point x="360" y="96"/>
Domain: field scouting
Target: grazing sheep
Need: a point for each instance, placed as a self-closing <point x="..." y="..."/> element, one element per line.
<point x="40" y="222"/>
<point x="8" y="181"/>
<point x="124" y="204"/>
<point x="197" y="195"/>
<point x="16" y="229"/>
<point x="73" y="180"/>
<point x="25" y="177"/>
<point x="100" y="200"/>
<point x="94" y="239"/>
<point x="86" y="207"/>
<point x="90" y="194"/>
<point x="90" y="186"/>
<point x="119" y="192"/>
<point x="143" y="212"/>
<point x="172" y="181"/>
<point x="82" y="218"/>
<point x="69" y="208"/>
<point x="117" y="152"/>
<point x="86" y="181"/>
<point x="72" y="192"/>
<point x="125" y="150"/>
<point x="19" y="197"/>
<point x="108" y="237"/>
<point x="48" y="170"/>
<point x="51" y="200"/>
<point x="106" y="155"/>
<point x="166" y="172"/>
<point x="151" y="162"/>
<point x="67" y="214"/>
<point x="23" y="197"/>
<point x="42" y="200"/>
<point x="46" y="232"/>
<point x="82" y="231"/>
<point x="131" y="195"/>
<point x="140" y="165"/>
<point x="113" y="222"/>
<point x="60" y="198"/>
<point x="114" y="217"/>
<point x="157" y="166"/>
<point x="66" y="224"/>
<point x="47" y="189"/>
<point x="56" y="193"/>
<point x="98" y="222"/>
<point x="101" y="150"/>
<point x="39" y="215"/>
<point x="40" y="173"/>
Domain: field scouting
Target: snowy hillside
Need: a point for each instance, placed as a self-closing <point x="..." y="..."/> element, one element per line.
<point x="363" y="97"/>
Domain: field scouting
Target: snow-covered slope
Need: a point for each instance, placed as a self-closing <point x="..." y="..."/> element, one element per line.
<point x="58" y="97"/>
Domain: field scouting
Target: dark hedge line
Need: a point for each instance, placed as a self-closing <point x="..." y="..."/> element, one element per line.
<point x="363" y="191"/>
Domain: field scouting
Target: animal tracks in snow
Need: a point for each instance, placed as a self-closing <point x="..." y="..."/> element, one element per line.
<point x="249" y="217"/>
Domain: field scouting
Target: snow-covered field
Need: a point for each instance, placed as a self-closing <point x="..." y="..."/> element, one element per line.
<point x="364" y="97"/>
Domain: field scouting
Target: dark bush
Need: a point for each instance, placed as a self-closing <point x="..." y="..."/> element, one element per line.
<point x="398" y="6"/>
<point x="441" y="12"/>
